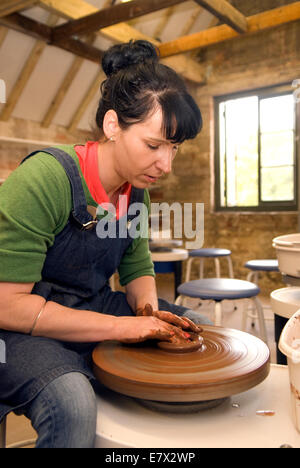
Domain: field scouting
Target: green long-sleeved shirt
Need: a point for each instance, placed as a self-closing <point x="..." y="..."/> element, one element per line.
<point x="35" y="204"/>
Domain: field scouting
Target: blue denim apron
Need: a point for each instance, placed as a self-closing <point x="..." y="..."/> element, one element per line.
<point x="75" y="274"/>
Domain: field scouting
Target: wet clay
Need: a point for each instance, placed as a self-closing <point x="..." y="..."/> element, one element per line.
<point x="228" y="362"/>
<point x="176" y="345"/>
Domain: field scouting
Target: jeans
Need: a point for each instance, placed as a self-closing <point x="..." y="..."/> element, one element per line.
<point x="64" y="413"/>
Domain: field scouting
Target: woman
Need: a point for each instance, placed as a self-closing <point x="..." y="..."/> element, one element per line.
<point x="54" y="264"/>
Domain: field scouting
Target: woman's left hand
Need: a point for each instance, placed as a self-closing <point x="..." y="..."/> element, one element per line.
<point x="181" y="322"/>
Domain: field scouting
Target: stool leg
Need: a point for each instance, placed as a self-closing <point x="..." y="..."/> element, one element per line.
<point x="201" y="268"/>
<point x="179" y="300"/>
<point x="245" y="315"/>
<point x="218" y="269"/>
<point x="253" y="277"/>
<point x="230" y="267"/>
<point x="250" y="276"/>
<point x="3" y="433"/>
<point x="188" y="269"/>
<point x="218" y="314"/>
<point x="261" y="319"/>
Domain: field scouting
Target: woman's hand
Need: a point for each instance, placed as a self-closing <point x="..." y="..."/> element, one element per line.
<point x="142" y="328"/>
<point x="181" y="322"/>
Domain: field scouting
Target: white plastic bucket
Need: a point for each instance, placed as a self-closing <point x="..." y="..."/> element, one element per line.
<point x="288" y="254"/>
<point x="289" y="345"/>
<point x="285" y="301"/>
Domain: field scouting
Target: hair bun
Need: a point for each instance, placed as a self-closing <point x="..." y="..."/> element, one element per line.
<point x="122" y="56"/>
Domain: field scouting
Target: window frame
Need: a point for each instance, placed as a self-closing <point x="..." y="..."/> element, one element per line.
<point x="263" y="206"/>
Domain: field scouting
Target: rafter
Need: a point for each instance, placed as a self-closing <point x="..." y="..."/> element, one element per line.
<point x="11" y="6"/>
<point x="25" y="74"/>
<point x="3" y="34"/>
<point x="191" y="21"/>
<point x="123" y="32"/>
<point x="64" y="87"/>
<point x="89" y="96"/>
<point x="259" y="22"/>
<point x="226" y="13"/>
<point x="109" y="16"/>
<point x="163" y="22"/>
<point x="43" y="32"/>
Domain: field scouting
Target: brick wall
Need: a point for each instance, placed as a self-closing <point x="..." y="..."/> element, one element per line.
<point x="261" y="60"/>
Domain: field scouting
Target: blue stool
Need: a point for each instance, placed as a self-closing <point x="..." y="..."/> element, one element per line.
<point x="219" y="289"/>
<point x="202" y="254"/>
<point x="256" y="267"/>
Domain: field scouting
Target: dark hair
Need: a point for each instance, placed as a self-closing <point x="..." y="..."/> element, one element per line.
<point x="137" y="83"/>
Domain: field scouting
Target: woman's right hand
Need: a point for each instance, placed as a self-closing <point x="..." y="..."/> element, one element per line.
<point x="139" y="329"/>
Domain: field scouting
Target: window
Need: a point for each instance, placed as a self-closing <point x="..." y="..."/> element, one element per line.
<point x="255" y="159"/>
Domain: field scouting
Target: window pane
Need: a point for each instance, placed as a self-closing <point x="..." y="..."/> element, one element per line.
<point x="277" y="184"/>
<point x="222" y="150"/>
<point x="242" y="151"/>
<point x="277" y="149"/>
<point x="277" y="113"/>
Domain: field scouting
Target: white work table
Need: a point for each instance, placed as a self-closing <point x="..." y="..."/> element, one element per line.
<point x="123" y="422"/>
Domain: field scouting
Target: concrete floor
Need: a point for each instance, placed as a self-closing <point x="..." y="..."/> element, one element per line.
<point x="19" y="427"/>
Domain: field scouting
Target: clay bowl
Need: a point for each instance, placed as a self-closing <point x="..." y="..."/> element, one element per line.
<point x="228" y="362"/>
<point x="179" y="346"/>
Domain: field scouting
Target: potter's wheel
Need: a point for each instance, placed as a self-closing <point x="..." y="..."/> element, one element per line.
<point x="229" y="362"/>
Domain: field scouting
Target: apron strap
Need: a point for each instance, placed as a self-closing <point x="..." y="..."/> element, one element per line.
<point x="80" y="214"/>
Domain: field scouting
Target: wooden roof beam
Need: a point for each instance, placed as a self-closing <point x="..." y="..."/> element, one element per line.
<point x="43" y="32"/>
<point x="64" y="87"/>
<point x="123" y="32"/>
<point x="3" y="34"/>
<point x="225" y="13"/>
<point x="8" y="7"/>
<point x="259" y="22"/>
<point x="25" y="74"/>
<point x="110" y="16"/>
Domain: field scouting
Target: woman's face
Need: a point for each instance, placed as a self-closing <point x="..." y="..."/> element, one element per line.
<point x="142" y="154"/>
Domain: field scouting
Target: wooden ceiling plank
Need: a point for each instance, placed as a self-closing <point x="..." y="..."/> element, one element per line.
<point x="64" y="87"/>
<point x="11" y="6"/>
<point x="191" y="21"/>
<point x="258" y="22"/>
<point x="43" y="32"/>
<point x="163" y="22"/>
<point x="109" y="16"/>
<point x="123" y="32"/>
<point x="25" y="75"/>
<point x="3" y="34"/>
<point x="73" y="9"/>
<point x="89" y="96"/>
<point x="225" y="12"/>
